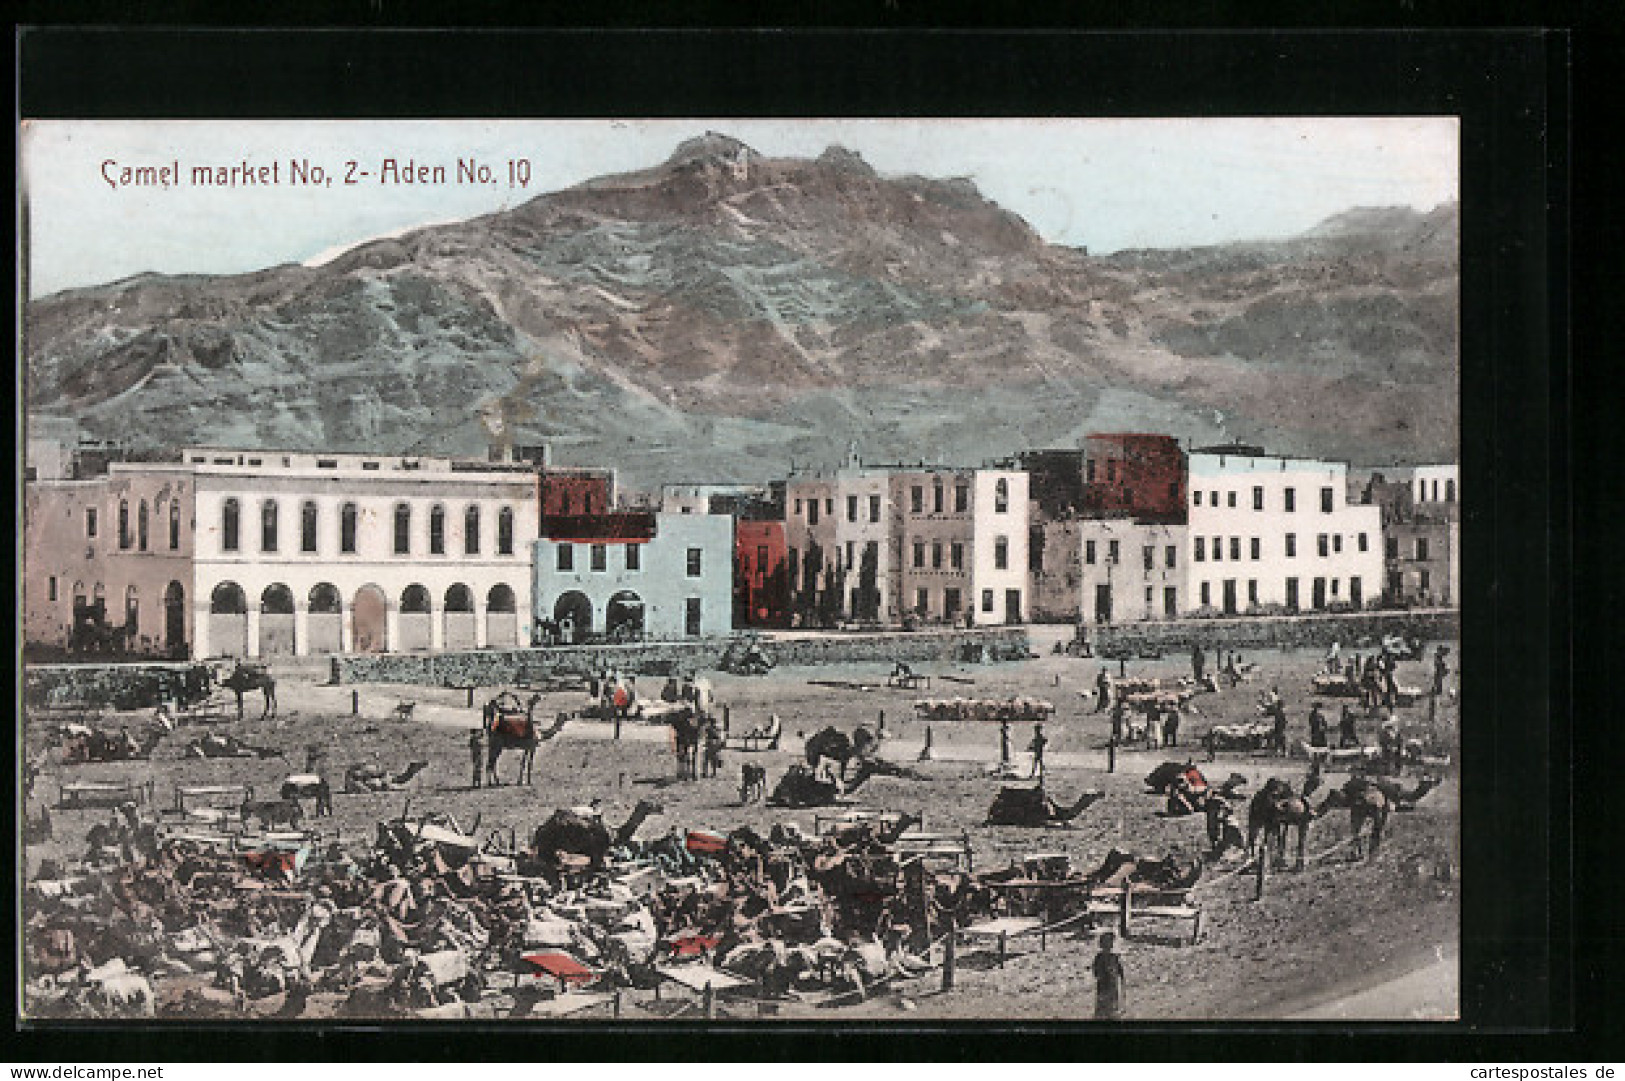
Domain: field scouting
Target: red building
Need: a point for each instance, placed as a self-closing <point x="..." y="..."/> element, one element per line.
<point x="1135" y="474"/>
<point x="570" y="493"/>
<point x="761" y="574"/>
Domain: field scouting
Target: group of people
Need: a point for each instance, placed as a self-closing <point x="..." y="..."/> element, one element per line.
<point x="1035" y="747"/>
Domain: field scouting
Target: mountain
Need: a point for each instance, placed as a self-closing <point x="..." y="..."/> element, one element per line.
<point x="723" y="314"/>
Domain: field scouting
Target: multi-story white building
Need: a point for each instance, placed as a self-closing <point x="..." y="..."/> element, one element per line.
<point x="261" y="553"/>
<point x="1112" y="569"/>
<point x="933" y="543"/>
<point x="1267" y="531"/>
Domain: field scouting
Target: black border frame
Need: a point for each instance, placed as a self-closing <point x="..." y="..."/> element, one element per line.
<point x="1511" y="90"/>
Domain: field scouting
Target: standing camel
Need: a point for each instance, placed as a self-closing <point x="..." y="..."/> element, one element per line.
<point x="1367" y="802"/>
<point x="508" y="729"/>
<point x="252" y="678"/>
<point x="1273" y="811"/>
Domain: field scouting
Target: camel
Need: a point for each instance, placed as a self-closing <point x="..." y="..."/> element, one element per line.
<point x="802" y="786"/>
<point x="82" y="744"/>
<point x="273" y="812"/>
<point x="1402" y="800"/>
<point x="1274" y="810"/>
<point x="835" y="745"/>
<point x="372" y="777"/>
<point x="1367" y="802"/>
<point x="252" y="678"/>
<point x="216" y="746"/>
<point x="687" y="728"/>
<point x="1017" y="806"/>
<point x="507" y="728"/>
<point x="569" y="833"/>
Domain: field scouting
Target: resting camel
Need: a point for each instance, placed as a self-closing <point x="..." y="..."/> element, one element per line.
<point x="216" y="746"/>
<point x="1017" y="806"/>
<point x="371" y="777"/>
<point x="508" y="729"/>
<point x="801" y="786"/>
<point x="1367" y="802"/>
<point x="1274" y="810"/>
<point x="309" y="786"/>
<point x="569" y="833"/>
<point x="252" y="678"/>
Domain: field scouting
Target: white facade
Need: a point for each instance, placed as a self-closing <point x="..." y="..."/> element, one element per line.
<point x="696" y="498"/>
<point x="358" y="553"/>
<point x="1436" y="484"/>
<point x="1271" y="531"/>
<point x="1107" y="570"/>
<point x="999" y="572"/>
<point x="846" y="517"/>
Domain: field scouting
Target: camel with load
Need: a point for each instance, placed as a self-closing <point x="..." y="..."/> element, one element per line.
<point x="1370" y="802"/>
<point x="805" y="786"/>
<point x="1273" y="811"/>
<point x="835" y="745"/>
<point x="510" y="725"/>
<point x="570" y="838"/>
<point x="247" y="677"/>
<point x="1018" y="806"/>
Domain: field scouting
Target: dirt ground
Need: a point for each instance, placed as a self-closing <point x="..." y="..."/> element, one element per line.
<point x="1326" y="939"/>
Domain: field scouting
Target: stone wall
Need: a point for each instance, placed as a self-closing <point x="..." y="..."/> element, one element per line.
<point x="487" y="668"/>
<point x="1277" y="632"/>
<point x="91" y="685"/>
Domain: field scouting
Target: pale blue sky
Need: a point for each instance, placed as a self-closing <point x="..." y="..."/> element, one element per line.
<point x="1105" y="183"/>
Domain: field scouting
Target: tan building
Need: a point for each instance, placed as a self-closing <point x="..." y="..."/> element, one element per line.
<point x="261" y="553"/>
<point x="1111" y="570"/>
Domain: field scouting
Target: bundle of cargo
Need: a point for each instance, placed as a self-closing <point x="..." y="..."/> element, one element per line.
<point x="983" y="709"/>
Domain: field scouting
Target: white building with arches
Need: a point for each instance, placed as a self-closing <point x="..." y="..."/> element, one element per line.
<point x="274" y="553"/>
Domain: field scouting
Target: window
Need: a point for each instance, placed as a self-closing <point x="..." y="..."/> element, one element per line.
<point x="1449" y="491"/>
<point x="1252" y="591"/>
<point x="141" y="526"/>
<point x="987" y="600"/>
<point x="874" y="508"/>
<point x="1196" y="498"/>
<point x="691" y="616"/>
<point x="961" y="498"/>
<point x="693" y="562"/>
<point x="922" y="601"/>
<point x="916" y="499"/>
<point x="798" y="506"/>
<point x="1258" y="497"/>
<point x="471" y="531"/>
<point x="347" y="516"/>
<point x="1326" y="500"/>
<point x="1335" y="582"/>
<point x="1391" y="547"/>
<point x="600" y="557"/>
<point x="307" y="527"/>
<point x="1235" y="548"/>
<point x="761" y="559"/>
<point x="919" y="553"/>
<point x="1362" y="545"/>
<point x="1291" y="545"/>
<point x="1201" y="549"/>
<point x="505" y="531"/>
<point x="1111" y="471"/>
<point x="936" y="555"/>
<point x="566" y="558"/>
<point x="1089" y="552"/>
<point x="1089" y="470"/>
<point x="124" y="523"/>
<point x="90" y="522"/>
<point x="1423" y="579"/>
<point x="1218" y="549"/>
<point x="1337" y="542"/>
<point x="403" y="529"/>
<point x="1291" y="496"/>
<point x="1169" y="558"/>
<point x="174" y="524"/>
<point x="849" y="554"/>
<point x="1323" y="545"/>
<point x="437" y="530"/>
<point x="1111" y="551"/>
<point x="634" y="558"/>
<point x="1230" y="499"/>
<point x="50" y="593"/>
<point x="1001" y="553"/>
<point x="1213" y="499"/>
<point x="1256" y="548"/>
<point x="132" y="607"/>
<point x="812" y="512"/>
<point x="950" y="601"/>
<point x="956" y="556"/>
<point x="1421" y="547"/>
<point x="230" y="515"/>
<point x="1150" y="554"/>
<point x="851" y="508"/>
<point x="268" y="526"/>
<point x="1001" y="496"/>
<point x="1207" y="595"/>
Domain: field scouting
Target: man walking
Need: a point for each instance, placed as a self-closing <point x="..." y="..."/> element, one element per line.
<point x="1276" y="709"/>
<point x="1103" y="690"/>
<point x="1004" y="746"/>
<point x="1170" y="728"/>
<point x="476" y="755"/>
<point x="1317" y="726"/>
<point x="1441" y="669"/>
<point x="1198" y="662"/>
<point x="1346" y="736"/>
